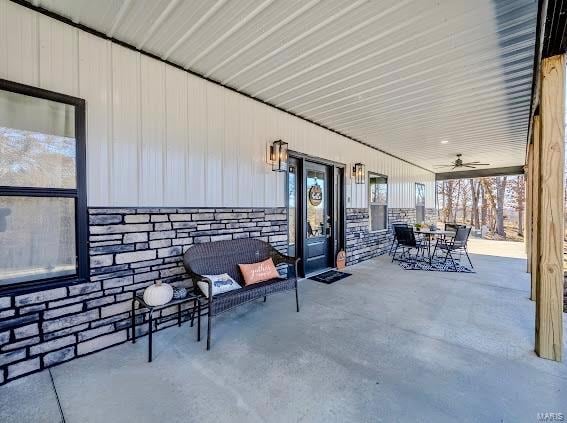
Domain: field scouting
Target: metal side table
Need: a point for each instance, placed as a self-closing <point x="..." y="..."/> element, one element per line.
<point x="139" y="298"/>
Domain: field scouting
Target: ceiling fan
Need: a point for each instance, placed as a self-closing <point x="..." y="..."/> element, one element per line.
<point x="459" y="163"/>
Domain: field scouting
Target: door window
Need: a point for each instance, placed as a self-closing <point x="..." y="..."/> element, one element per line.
<point x="315" y="203"/>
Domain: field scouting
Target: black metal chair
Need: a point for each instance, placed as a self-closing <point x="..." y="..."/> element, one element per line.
<point x="407" y="242"/>
<point x="395" y="240"/>
<point x="454" y="226"/>
<point x="457" y="244"/>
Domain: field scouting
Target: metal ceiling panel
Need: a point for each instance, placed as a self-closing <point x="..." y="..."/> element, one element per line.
<point x="400" y="75"/>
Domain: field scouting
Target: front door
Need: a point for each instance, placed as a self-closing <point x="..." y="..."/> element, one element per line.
<point x="317" y="212"/>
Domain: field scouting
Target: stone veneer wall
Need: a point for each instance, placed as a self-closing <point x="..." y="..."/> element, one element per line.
<point x="129" y="249"/>
<point x="361" y="244"/>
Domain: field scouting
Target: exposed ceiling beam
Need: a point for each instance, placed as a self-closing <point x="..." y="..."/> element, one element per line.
<point x="155" y="25"/>
<point x="216" y="6"/>
<point x="295" y="40"/>
<point x="229" y="33"/>
<point x="555" y="36"/>
<point x="119" y="16"/>
<point x="480" y="173"/>
<point x="264" y="35"/>
<point x="538" y="51"/>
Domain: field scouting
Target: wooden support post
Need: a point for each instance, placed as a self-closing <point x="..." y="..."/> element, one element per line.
<point x="549" y="289"/>
<point x="534" y="253"/>
<point x="528" y="226"/>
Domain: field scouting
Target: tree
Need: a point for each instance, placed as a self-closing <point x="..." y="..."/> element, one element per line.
<point x="447" y="192"/>
<point x="465" y="201"/>
<point x="457" y="202"/>
<point x="490" y="201"/>
<point x="475" y="193"/>
<point x="500" y="192"/>
<point x="517" y="194"/>
<point x="484" y="208"/>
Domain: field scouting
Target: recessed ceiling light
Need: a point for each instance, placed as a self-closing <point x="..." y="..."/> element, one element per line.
<point x="444" y="142"/>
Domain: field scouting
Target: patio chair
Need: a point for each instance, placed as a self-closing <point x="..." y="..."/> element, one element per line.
<point x="407" y="242"/>
<point x="395" y="240"/>
<point x="458" y="244"/>
<point x="454" y="226"/>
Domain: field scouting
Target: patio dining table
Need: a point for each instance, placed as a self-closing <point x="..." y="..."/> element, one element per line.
<point x="430" y="234"/>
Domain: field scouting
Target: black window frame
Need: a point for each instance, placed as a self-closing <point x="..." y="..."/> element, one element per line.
<point x="418" y="205"/>
<point x="387" y="206"/>
<point x="79" y="193"/>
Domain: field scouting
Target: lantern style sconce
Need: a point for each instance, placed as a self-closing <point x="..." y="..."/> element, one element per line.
<point x="278" y="156"/>
<point x="358" y="173"/>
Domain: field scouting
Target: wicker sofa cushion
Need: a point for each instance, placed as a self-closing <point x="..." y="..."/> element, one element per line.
<point x="258" y="272"/>
<point x="219" y="284"/>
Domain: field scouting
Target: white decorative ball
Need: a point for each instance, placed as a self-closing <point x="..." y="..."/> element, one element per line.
<point x="158" y="294"/>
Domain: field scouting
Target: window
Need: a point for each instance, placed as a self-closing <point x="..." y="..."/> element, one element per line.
<point x="378" y="202"/>
<point x="42" y="187"/>
<point x="419" y="203"/>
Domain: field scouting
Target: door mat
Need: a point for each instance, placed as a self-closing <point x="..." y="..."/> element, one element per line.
<point x="329" y="277"/>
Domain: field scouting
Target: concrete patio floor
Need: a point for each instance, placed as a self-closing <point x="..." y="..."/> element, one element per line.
<point x="384" y="345"/>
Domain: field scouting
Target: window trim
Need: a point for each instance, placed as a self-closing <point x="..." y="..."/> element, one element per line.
<point x="378" y="175"/>
<point x="79" y="192"/>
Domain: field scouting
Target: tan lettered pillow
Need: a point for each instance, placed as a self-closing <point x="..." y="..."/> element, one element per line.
<point x="258" y="272"/>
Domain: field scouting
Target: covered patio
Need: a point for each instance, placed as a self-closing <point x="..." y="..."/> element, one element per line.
<point x="405" y="346"/>
<point x="225" y="151"/>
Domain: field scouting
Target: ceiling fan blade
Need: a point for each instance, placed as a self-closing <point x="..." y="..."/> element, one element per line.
<point x="477" y="164"/>
<point x="468" y="165"/>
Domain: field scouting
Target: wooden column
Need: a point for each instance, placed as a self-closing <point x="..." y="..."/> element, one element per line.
<point x="528" y="226"/>
<point x="534" y="253"/>
<point x="549" y="289"/>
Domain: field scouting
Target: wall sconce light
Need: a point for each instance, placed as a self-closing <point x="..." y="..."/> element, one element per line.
<point x="358" y="173"/>
<point x="278" y="156"/>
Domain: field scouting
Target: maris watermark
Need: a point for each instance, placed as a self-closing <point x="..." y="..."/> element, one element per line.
<point x="550" y="417"/>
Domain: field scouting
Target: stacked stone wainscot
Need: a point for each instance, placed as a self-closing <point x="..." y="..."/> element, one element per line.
<point x="363" y="244"/>
<point x="129" y="249"/>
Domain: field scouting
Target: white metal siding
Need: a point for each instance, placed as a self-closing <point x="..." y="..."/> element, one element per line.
<point x="157" y="136"/>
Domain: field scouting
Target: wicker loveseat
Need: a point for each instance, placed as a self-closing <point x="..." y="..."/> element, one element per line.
<point x="219" y="257"/>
